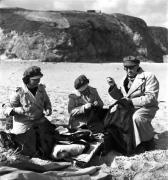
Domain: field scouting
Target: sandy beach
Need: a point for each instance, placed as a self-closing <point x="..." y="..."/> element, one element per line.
<point x="59" y="78"/>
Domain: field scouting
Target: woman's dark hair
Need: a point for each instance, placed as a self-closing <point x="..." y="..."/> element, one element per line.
<point x="26" y="79"/>
<point x="31" y="72"/>
<point x="80" y="81"/>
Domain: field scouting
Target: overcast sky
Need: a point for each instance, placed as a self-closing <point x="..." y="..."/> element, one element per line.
<point x="154" y="12"/>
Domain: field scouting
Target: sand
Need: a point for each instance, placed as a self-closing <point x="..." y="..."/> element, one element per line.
<point x="59" y="77"/>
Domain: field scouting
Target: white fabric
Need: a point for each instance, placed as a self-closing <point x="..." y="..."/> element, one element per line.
<point x="70" y="149"/>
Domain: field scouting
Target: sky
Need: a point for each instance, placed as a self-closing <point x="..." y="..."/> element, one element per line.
<point x="154" y="12"/>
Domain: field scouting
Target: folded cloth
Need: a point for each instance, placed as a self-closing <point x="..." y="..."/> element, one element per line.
<point x="14" y="173"/>
<point x="62" y="151"/>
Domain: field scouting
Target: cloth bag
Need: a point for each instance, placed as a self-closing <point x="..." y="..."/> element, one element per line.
<point x="119" y="131"/>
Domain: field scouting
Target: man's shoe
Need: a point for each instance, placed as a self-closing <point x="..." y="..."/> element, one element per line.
<point x="149" y="145"/>
<point x="139" y="149"/>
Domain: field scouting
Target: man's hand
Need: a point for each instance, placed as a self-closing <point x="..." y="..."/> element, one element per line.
<point x="48" y="112"/>
<point x="88" y="106"/>
<point x="110" y="81"/>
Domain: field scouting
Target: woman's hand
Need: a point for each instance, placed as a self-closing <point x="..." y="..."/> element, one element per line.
<point x="95" y="103"/>
<point x="88" y="106"/>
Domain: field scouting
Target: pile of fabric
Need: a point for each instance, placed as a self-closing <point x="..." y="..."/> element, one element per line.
<point x="68" y="160"/>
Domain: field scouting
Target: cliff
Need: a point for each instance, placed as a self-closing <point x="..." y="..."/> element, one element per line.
<point x="160" y="37"/>
<point x="74" y="36"/>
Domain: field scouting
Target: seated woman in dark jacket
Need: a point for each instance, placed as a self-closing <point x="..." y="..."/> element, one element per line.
<point x="85" y="106"/>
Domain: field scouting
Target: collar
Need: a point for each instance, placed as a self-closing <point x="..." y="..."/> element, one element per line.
<point x="140" y="75"/>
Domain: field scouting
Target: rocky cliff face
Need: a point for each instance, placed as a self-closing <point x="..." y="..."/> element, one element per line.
<point x="74" y="36"/>
<point x="160" y="37"/>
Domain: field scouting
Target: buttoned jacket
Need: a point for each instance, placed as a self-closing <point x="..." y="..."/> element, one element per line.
<point x="77" y="101"/>
<point x="30" y="108"/>
<point x="143" y="92"/>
